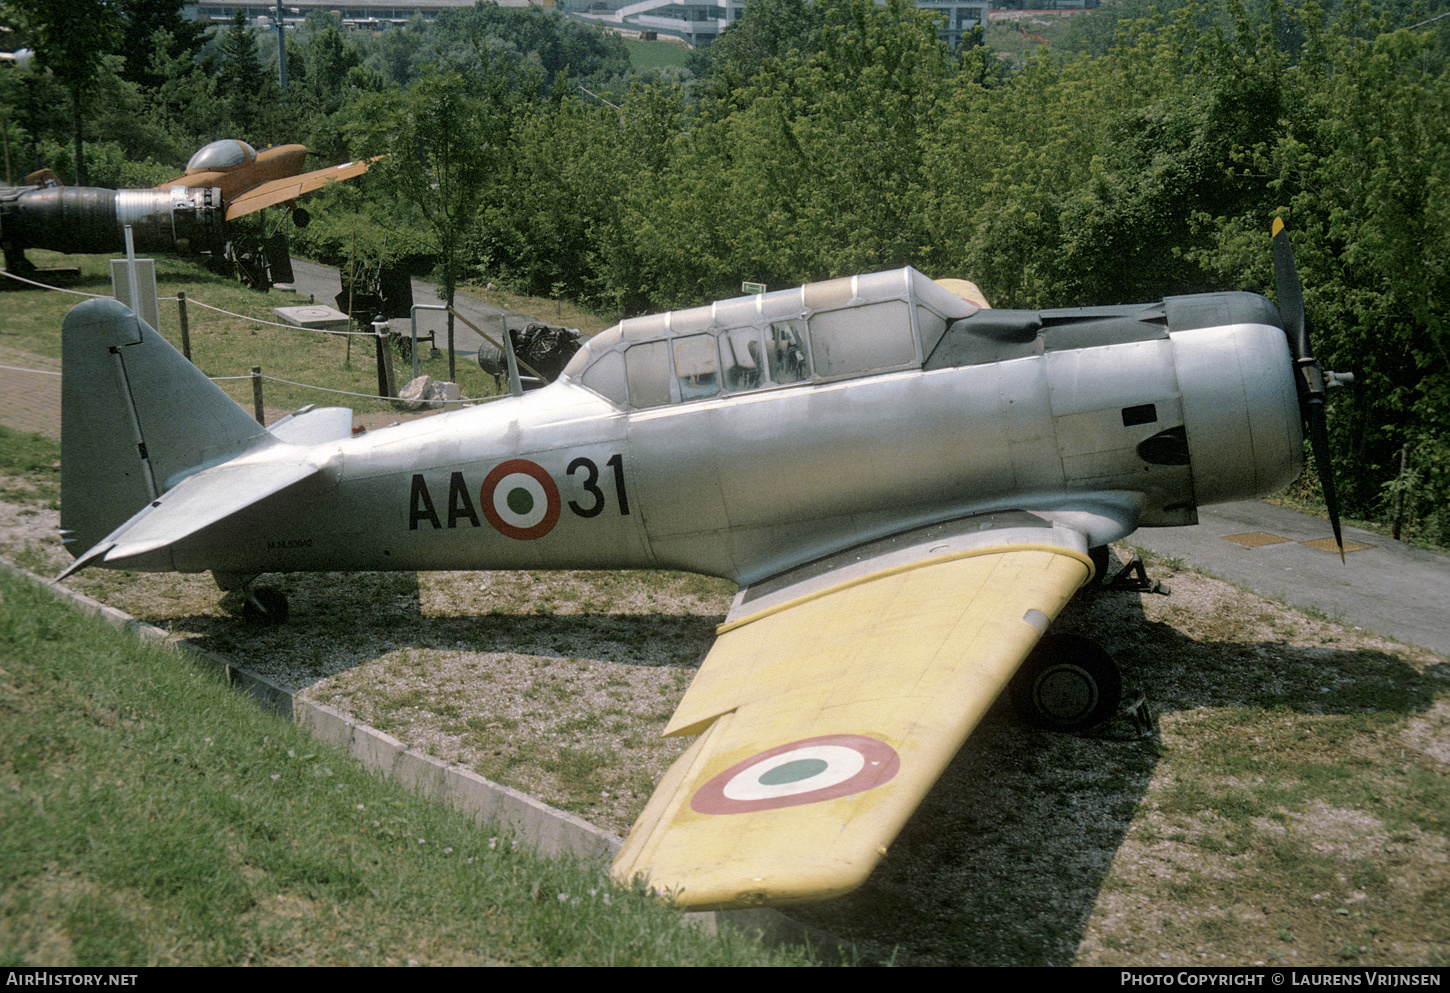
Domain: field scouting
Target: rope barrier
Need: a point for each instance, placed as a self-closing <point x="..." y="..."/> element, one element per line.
<point x="245" y="317"/>
<point x="258" y="320"/>
<point x="47" y="286"/>
<point x="38" y="372"/>
<point x="370" y="396"/>
<point x="326" y="389"/>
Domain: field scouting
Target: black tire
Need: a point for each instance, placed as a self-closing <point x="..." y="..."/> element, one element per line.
<point x="265" y="607"/>
<point x="1099" y="555"/>
<point x="1067" y="683"/>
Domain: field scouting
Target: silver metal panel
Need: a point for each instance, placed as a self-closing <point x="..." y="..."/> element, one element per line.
<point x="315" y="426"/>
<point x="949" y="538"/>
<point x="1110" y="376"/>
<point x="1240" y="410"/>
<point x="202" y="500"/>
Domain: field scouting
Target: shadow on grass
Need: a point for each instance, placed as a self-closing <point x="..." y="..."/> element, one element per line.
<point x="1007" y="857"/>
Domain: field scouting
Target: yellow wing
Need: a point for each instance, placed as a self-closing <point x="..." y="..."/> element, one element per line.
<point x="291" y="187"/>
<point x="830" y="705"/>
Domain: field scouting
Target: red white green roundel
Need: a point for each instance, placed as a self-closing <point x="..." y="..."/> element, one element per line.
<point x="520" y="500"/>
<point x="806" y="771"/>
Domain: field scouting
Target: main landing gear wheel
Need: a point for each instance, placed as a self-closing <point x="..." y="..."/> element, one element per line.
<point x="1067" y="683"/>
<point x="265" y="606"/>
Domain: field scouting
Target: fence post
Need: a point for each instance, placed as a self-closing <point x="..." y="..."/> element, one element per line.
<point x="185" y="326"/>
<point x="385" y="359"/>
<point x="257" y="394"/>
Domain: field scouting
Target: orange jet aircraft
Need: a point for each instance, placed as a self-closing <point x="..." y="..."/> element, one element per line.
<point x="251" y="180"/>
<point x="191" y="214"/>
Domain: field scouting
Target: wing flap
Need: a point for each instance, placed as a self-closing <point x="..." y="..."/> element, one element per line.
<point x="828" y="717"/>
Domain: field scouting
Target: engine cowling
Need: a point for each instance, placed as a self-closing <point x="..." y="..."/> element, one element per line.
<point x="1240" y="404"/>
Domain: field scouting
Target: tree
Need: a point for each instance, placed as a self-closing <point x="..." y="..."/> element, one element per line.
<point x="1362" y="170"/>
<point x="767" y="31"/>
<point x="140" y="20"/>
<point x="70" y="40"/>
<point x="443" y="147"/>
<point x="241" y="79"/>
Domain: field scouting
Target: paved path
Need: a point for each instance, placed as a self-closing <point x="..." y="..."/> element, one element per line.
<point x="1386" y="587"/>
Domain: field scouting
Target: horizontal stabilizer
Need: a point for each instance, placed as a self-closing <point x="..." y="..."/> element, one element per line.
<point x="194" y="504"/>
<point x="314" y="426"/>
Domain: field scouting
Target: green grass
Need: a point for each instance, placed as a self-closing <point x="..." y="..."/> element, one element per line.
<point x="1006" y="36"/>
<point x="29" y="468"/>
<point x="150" y="816"/>
<point x="226" y="346"/>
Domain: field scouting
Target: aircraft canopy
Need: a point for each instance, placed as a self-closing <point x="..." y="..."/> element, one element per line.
<point x="820" y="332"/>
<point x="221" y="155"/>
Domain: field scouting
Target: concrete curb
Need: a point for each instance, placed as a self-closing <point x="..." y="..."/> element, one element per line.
<point x="547" y="830"/>
<point x="543" y="828"/>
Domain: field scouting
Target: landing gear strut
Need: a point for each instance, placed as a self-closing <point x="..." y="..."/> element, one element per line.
<point x="1132" y="577"/>
<point x="265" y="606"/>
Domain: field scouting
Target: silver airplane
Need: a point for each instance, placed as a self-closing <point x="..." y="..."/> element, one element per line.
<point x="906" y="486"/>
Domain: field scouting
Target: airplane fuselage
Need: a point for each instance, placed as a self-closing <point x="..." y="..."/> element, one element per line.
<point x="261" y="167"/>
<point x="908" y="488"/>
<point x="1070" y="422"/>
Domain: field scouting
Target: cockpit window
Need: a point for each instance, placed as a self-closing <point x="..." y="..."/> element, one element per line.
<point x="860" y="339"/>
<point x="647" y="367"/>
<point x="786" y="351"/>
<point x="743" y="358"/>
<point x="696" y="369"/>
<point x="221" y="155"/>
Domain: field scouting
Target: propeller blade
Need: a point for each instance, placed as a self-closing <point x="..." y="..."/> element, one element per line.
<point x="1319" y="442"/>
<point x="1309" y="375"/>
<point x="1291" y="293"/>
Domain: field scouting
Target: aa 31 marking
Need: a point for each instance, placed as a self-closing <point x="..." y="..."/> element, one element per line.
<point x="518" y="498"/>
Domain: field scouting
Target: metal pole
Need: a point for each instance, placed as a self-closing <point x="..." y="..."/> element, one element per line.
<point x="131" y="280"/>
<point x="413" y="314"/>
<point x="507" y="348"/>
<point x="185" y="325"/>
<point x="281" y="50"/>
<point x="257" y="395"/>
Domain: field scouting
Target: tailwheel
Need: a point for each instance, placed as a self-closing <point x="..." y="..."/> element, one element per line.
<point x="265" y="606"/>
<point x="1067" y="683"/>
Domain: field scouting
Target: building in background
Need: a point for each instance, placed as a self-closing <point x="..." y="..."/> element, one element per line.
<point x="696" y="23"/>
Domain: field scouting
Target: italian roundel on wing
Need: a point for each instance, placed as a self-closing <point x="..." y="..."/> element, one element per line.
<point x="520" y="500"/>
<point x="807" y="771"/>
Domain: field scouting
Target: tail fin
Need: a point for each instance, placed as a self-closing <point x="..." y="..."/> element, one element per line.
<point x="136" y="419"/>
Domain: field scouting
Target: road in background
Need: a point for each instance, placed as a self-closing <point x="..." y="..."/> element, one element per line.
<point x="1384" y="586"/>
